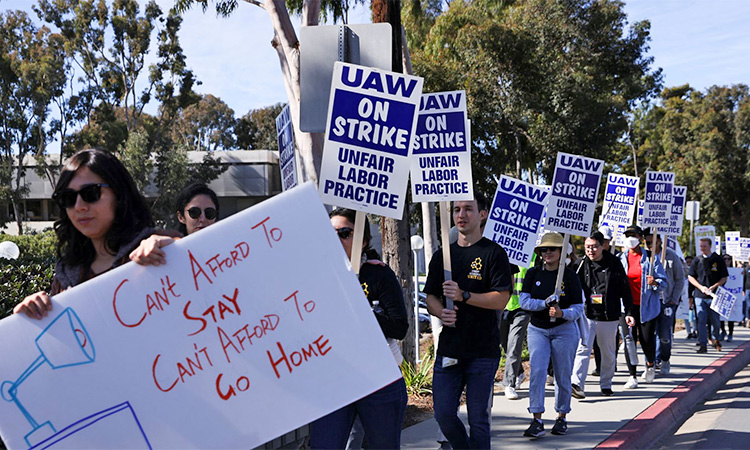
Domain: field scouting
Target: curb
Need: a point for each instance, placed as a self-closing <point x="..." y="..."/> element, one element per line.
<point x="668" y="412"/>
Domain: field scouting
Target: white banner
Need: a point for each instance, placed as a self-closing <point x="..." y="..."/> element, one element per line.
<point x="515" y="218"/>
<point x="237" y="340"/>
<point x="287" y="160"/>
<point x="575" y="187"/>
<point x="372" y="115"/>
<point x="441" y="151"/>
<point x="657" y="203"/>
<point x="704" y="231"/>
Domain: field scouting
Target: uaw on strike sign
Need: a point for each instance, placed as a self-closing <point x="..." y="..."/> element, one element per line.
<point x="441" y="161"/>
<point x="372" y="115"/>
<point x="575" y="187"/>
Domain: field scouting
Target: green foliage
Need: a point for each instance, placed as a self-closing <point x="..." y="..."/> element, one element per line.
<point x="418" y="379"/>
<point x="31" y="272"/>
<point x="257" y="129"/>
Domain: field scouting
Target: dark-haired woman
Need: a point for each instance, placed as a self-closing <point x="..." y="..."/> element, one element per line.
<point x="103" y="218"/>
<point x="197" y="207"/>
<point x="381" y="412"/>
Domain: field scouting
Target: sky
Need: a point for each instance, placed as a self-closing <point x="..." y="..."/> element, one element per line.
<point x="700" y="42"/>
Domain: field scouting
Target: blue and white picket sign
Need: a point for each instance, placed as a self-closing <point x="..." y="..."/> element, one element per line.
<point x="732" y="243"/>
<point x="734" y="286"/>
<point x="639" y="216"/>
<point x="575" y="187"/>
<point x="723" y="302"/>
<point x="620" y="199"/>
<point x="744" y="248"/>
<point x="287" y="160"/>
<point x="515" y="218"/>
<point x="441" y="150"/>
<point x="657" y="204"/>
<point x="677" y="216"/>
<point x="372" y="116"/>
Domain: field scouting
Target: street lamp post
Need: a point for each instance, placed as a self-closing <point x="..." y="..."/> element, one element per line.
<point x="417" y="244"/>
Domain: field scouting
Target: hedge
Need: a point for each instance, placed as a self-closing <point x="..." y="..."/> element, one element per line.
<point x="31" y="272"/>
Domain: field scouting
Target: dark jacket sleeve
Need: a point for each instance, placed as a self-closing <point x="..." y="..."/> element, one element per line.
<point x="620" y="278"/>
<point x="393" y="322"/>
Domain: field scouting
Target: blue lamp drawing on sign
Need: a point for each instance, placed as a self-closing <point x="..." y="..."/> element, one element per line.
<point x="64" y="343"/>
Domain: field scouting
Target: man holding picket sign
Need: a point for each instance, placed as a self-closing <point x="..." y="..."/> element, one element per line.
<point x="706" y="274"/>
<point x="469" y="349"/>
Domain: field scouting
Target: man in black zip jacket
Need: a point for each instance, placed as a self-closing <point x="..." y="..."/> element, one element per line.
<point x="606" y="295"/>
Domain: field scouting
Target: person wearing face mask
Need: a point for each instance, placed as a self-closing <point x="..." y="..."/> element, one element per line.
<point x="606" y="294"/>
<point x="646" y="286"/>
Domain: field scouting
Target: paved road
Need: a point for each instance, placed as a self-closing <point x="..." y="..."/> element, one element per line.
<point x="723" y="421"/>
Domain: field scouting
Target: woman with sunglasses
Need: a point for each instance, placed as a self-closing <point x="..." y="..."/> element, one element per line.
<point x="197" y="207"/>
<point x="103" y="217"/>
<point x="381" y="412"/>
<point x="552" y="332"/>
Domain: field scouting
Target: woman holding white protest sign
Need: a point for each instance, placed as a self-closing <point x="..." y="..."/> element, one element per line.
<point x="381" y="412"/>
<point x="552" y="333"/>
<point x="102" y="218"/>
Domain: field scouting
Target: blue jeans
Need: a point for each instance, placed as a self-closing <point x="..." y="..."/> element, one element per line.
<point x="706" y="315"/>
<point x="478" y="376"/>
<point x="664" y="332"/>
<point x="560" y="343"/>
<point x="382" y="414"/>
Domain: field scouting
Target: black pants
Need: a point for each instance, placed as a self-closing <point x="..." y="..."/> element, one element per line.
<point x="645" y="333"/>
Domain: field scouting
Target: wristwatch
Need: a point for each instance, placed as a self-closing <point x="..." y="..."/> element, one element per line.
<point x="466" y="296"/>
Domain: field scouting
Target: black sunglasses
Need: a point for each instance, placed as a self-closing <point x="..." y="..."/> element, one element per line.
<point x="91" y="193"/>
<point x="195" y="212"/>
<point x="344" y="232"/>
<point x="547" y="249"/>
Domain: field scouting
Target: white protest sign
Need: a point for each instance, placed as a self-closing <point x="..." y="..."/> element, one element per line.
<point x="723" y="302"/>
<point x="441" y="151"/>
<point x="657" y="203"/>
<point x="683" y="309"/>
<point x="287" y="161"/>
<point x="372" y="115"/>
<point x="639" y="216"/>
<point x="717" y="244"/>
<point x="544" y="216"/>
<point x="734" y="286"/>
<point x="744" y="249"/>
<point x="673" y="245"/>
<point x="733" y="243"/>
<point x="704" y="231"/>
<point x="676" y="217"/>
<point x="620" y="199"/>
<point x="575" y="187"/>
<point x="235" y="341"/>
<point x="515" y="218"/>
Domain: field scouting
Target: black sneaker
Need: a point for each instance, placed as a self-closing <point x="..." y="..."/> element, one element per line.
<point x="595" y="373"/>
<point x="536" y="429"/>
<point x="701" y="349"/>
<point x="560" y="427"/>
<point x="607" y="392"/>
<point x="577" y="392"/>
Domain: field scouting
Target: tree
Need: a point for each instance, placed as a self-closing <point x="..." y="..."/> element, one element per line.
<point x="31" y="74"/>
<point x="541" y="77"/>
<point x="704" y="137"/>
<point x="257" y="129"/>
<point x="207" y="125"/>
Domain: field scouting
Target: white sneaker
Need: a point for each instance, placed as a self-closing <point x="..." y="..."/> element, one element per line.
<point x="649" y="374"/>
<point x="632" y="383"/>
<point x="511" y="393"/>
<point x="665" y="368"/>
<point x="519" y="380"/>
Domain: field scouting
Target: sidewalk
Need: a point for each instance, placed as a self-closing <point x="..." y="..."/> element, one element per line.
<point x="630" y="419"/>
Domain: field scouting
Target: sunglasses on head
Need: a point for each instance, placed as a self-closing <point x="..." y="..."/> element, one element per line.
<point x="90" y="193"/>
<point x="547" y="249"/>
<point x="344" y="232"/>
<point x="195" y="212"/>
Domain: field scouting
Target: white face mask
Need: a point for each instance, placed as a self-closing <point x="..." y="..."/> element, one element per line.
<point x="632" y="242"/>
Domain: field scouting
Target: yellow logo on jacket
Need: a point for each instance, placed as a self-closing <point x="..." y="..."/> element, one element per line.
<point x="366" y="289"/>
<point x="476" y="269"/>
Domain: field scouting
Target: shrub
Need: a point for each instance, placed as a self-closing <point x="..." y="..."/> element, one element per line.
<point x="418" y="380"/>
<point x="31" y="272"/>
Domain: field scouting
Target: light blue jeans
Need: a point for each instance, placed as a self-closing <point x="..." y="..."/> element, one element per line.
<point x="560" y="343"/>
